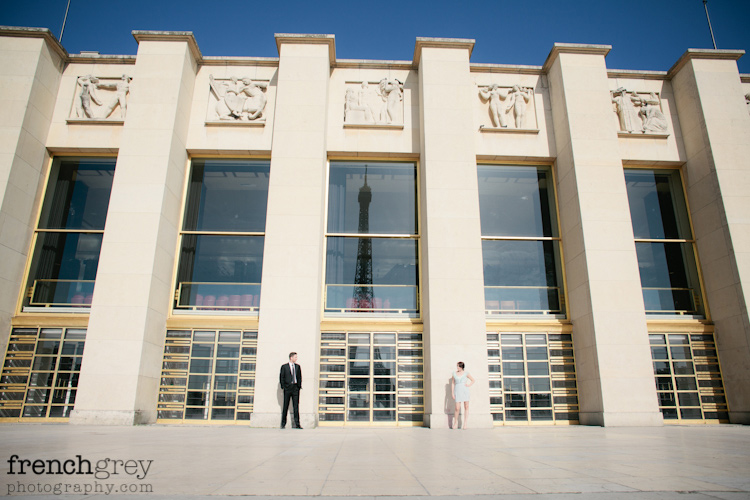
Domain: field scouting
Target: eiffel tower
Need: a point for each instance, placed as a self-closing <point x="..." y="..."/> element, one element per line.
<point x="363" y="274"/>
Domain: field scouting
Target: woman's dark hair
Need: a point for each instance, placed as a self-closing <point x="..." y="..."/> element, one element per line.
<point x="461" y="364"/>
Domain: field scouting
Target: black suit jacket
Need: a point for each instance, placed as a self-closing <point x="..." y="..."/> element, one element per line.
<point x="285" y="376"/>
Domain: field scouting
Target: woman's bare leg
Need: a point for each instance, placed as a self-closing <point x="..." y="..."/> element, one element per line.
<point x="456" y="414"/>
<point x="466" y="413"/>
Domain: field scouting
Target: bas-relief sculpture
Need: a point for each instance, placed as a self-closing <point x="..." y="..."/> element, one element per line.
<point x="237" y="99"/>
<point x="381" y="104"/>
<point x="96" y="99"/>
<point x="747" y="101"/>
<point x="639" y="112"/>
<point x="504" y="100"/>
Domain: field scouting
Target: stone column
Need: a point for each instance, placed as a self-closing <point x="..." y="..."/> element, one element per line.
<point x="452" y="273"/>
<point x="119" y="381"/>
<point x="292" y="282"/>
<point x="613" y="359"/>
<point x="31" y="64"/>
<point x="716" y="133"/>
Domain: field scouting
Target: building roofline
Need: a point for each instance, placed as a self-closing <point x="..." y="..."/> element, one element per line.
<point x="307" y="38"/>
<point x="45" y="33"/>
<point x="443" y="43"/>
<point x="574" y="48"/>
<point x="690" y="54"/>
<point x="170" y="36"/>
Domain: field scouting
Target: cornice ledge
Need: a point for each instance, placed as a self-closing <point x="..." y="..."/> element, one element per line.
<point x="45" y="33"/>
<point x="170" y="36"/>
<point x="689" y="54"/>
<point x="442" y="43"/>
<point x="574" y="48"/>
<point x="307" y="38"/>
<point x="635" y="73"/>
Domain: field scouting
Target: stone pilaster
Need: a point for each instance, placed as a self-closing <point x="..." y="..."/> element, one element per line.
<point x="31" y="65"/>
<point x="293" y="254"/>
<point x="613" y="360"/>
<point x="452" y="274"/>
<point x="716" y="132"/>
<point x="119" y="381"/>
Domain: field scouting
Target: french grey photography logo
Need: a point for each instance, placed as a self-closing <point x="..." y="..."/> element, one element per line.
<point x="77" y="475"/>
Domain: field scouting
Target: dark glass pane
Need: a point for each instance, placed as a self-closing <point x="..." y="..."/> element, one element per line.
<point x="384" y="401"/>
<point x="657" y="205"/>
<point x="359" y="384"/>
<point x="196" y="413"/>
<point x="222" y="414"/>
<point x="664" y="384"/>
<point x="668" y="277"/>
<point x="540" y="400"/>
<point x="539" y="384"/>
<point x="538" y="368"/>
<point x="72" y="348"/>
<point x="386" y="203"/>
<point x="521" y="276"/>
<point x="358" y="416"/>
<point x="227" y="195"/>
<point x="659" y="352"/>
<point x="516" y="201"/>
<point x="78" y="194"/>
<point x="359" y="400"/>
<point x="541" y="414"/>
<point x="686" y="384"/>
<point x="64" y="268"/>
<point x="224" y="398"/>
<point x="228" y="351"/>
<point x="680" y="352"/>
<point x="514" y="384"/>
<point x="220" y="272"/>
<point x="385" y="384"/>
<point x="225" y="382"/>
<point x="199" y="382"/>
<point x="536" y="353"/>
<point x="203" y="350"/>
<point x="515" y="400"/>
<point x="385" y="352"/>
<point x="196" y="398"/>
<point x="513" y="368"/>
<point x="371" y="274"/>
<point x="227" y="366"/>
<point x="512" y="353"/>
<point x="689" y="399"/>
<point x="683" y="368"/>
<point x="662" y="368"/>
<point x="515" y="415"/>
<point x="691" y="413"/>
<point x="383" y="368"/>
<point x="669" y="413"/>
<point x="666" y="399"/>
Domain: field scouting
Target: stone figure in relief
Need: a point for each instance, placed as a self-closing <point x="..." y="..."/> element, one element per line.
<point x="517" y="99"/>
<point x="493" y="94"/>
<point x="121" y="89"/>
<point x="239" y="98"/>
<point x="653" y="119"/>
<point x="357" y="101"/>
<point x="392" y="93"/>
<point x="747" y="101"/>
<point x="87" y="94"/>
<point x="626" y="112"/>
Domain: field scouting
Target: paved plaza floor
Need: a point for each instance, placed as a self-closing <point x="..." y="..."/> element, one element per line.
<point x="202" y="462"/>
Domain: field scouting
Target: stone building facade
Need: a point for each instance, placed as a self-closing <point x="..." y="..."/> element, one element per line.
<point x="173" y="225"/>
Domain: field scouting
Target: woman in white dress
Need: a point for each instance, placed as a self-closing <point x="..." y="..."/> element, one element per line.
<point x="460" y="383"/>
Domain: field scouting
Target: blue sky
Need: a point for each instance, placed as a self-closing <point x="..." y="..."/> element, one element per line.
<point x="644" y="34"/>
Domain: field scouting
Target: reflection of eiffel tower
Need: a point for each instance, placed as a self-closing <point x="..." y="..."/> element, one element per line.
<point x="363" y="273"/>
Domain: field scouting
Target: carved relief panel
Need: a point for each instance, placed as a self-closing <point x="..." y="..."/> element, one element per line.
<point x="374" y="103"/>
<point x="97" y="98"/>
<point x="508" y="107"/>
<point x="236" y="99"/>
<point x="639" y="112"/>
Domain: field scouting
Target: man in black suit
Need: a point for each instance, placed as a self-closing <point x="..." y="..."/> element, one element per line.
<point x="290" y="378"/>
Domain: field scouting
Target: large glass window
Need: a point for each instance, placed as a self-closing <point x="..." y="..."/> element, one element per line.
<point x="69" y="235"/>
<point x="376" y="273"/>
<point x="520" y="241"/>
<point x="663" y="242"/>
<point x="221" y="253"/>
<point x="40" y="373"/>
<point x="208" y="375"/>
<point x="371" y="377"/>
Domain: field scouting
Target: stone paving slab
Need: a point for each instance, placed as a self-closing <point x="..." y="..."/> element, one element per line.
<point x="204" y="462"/>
